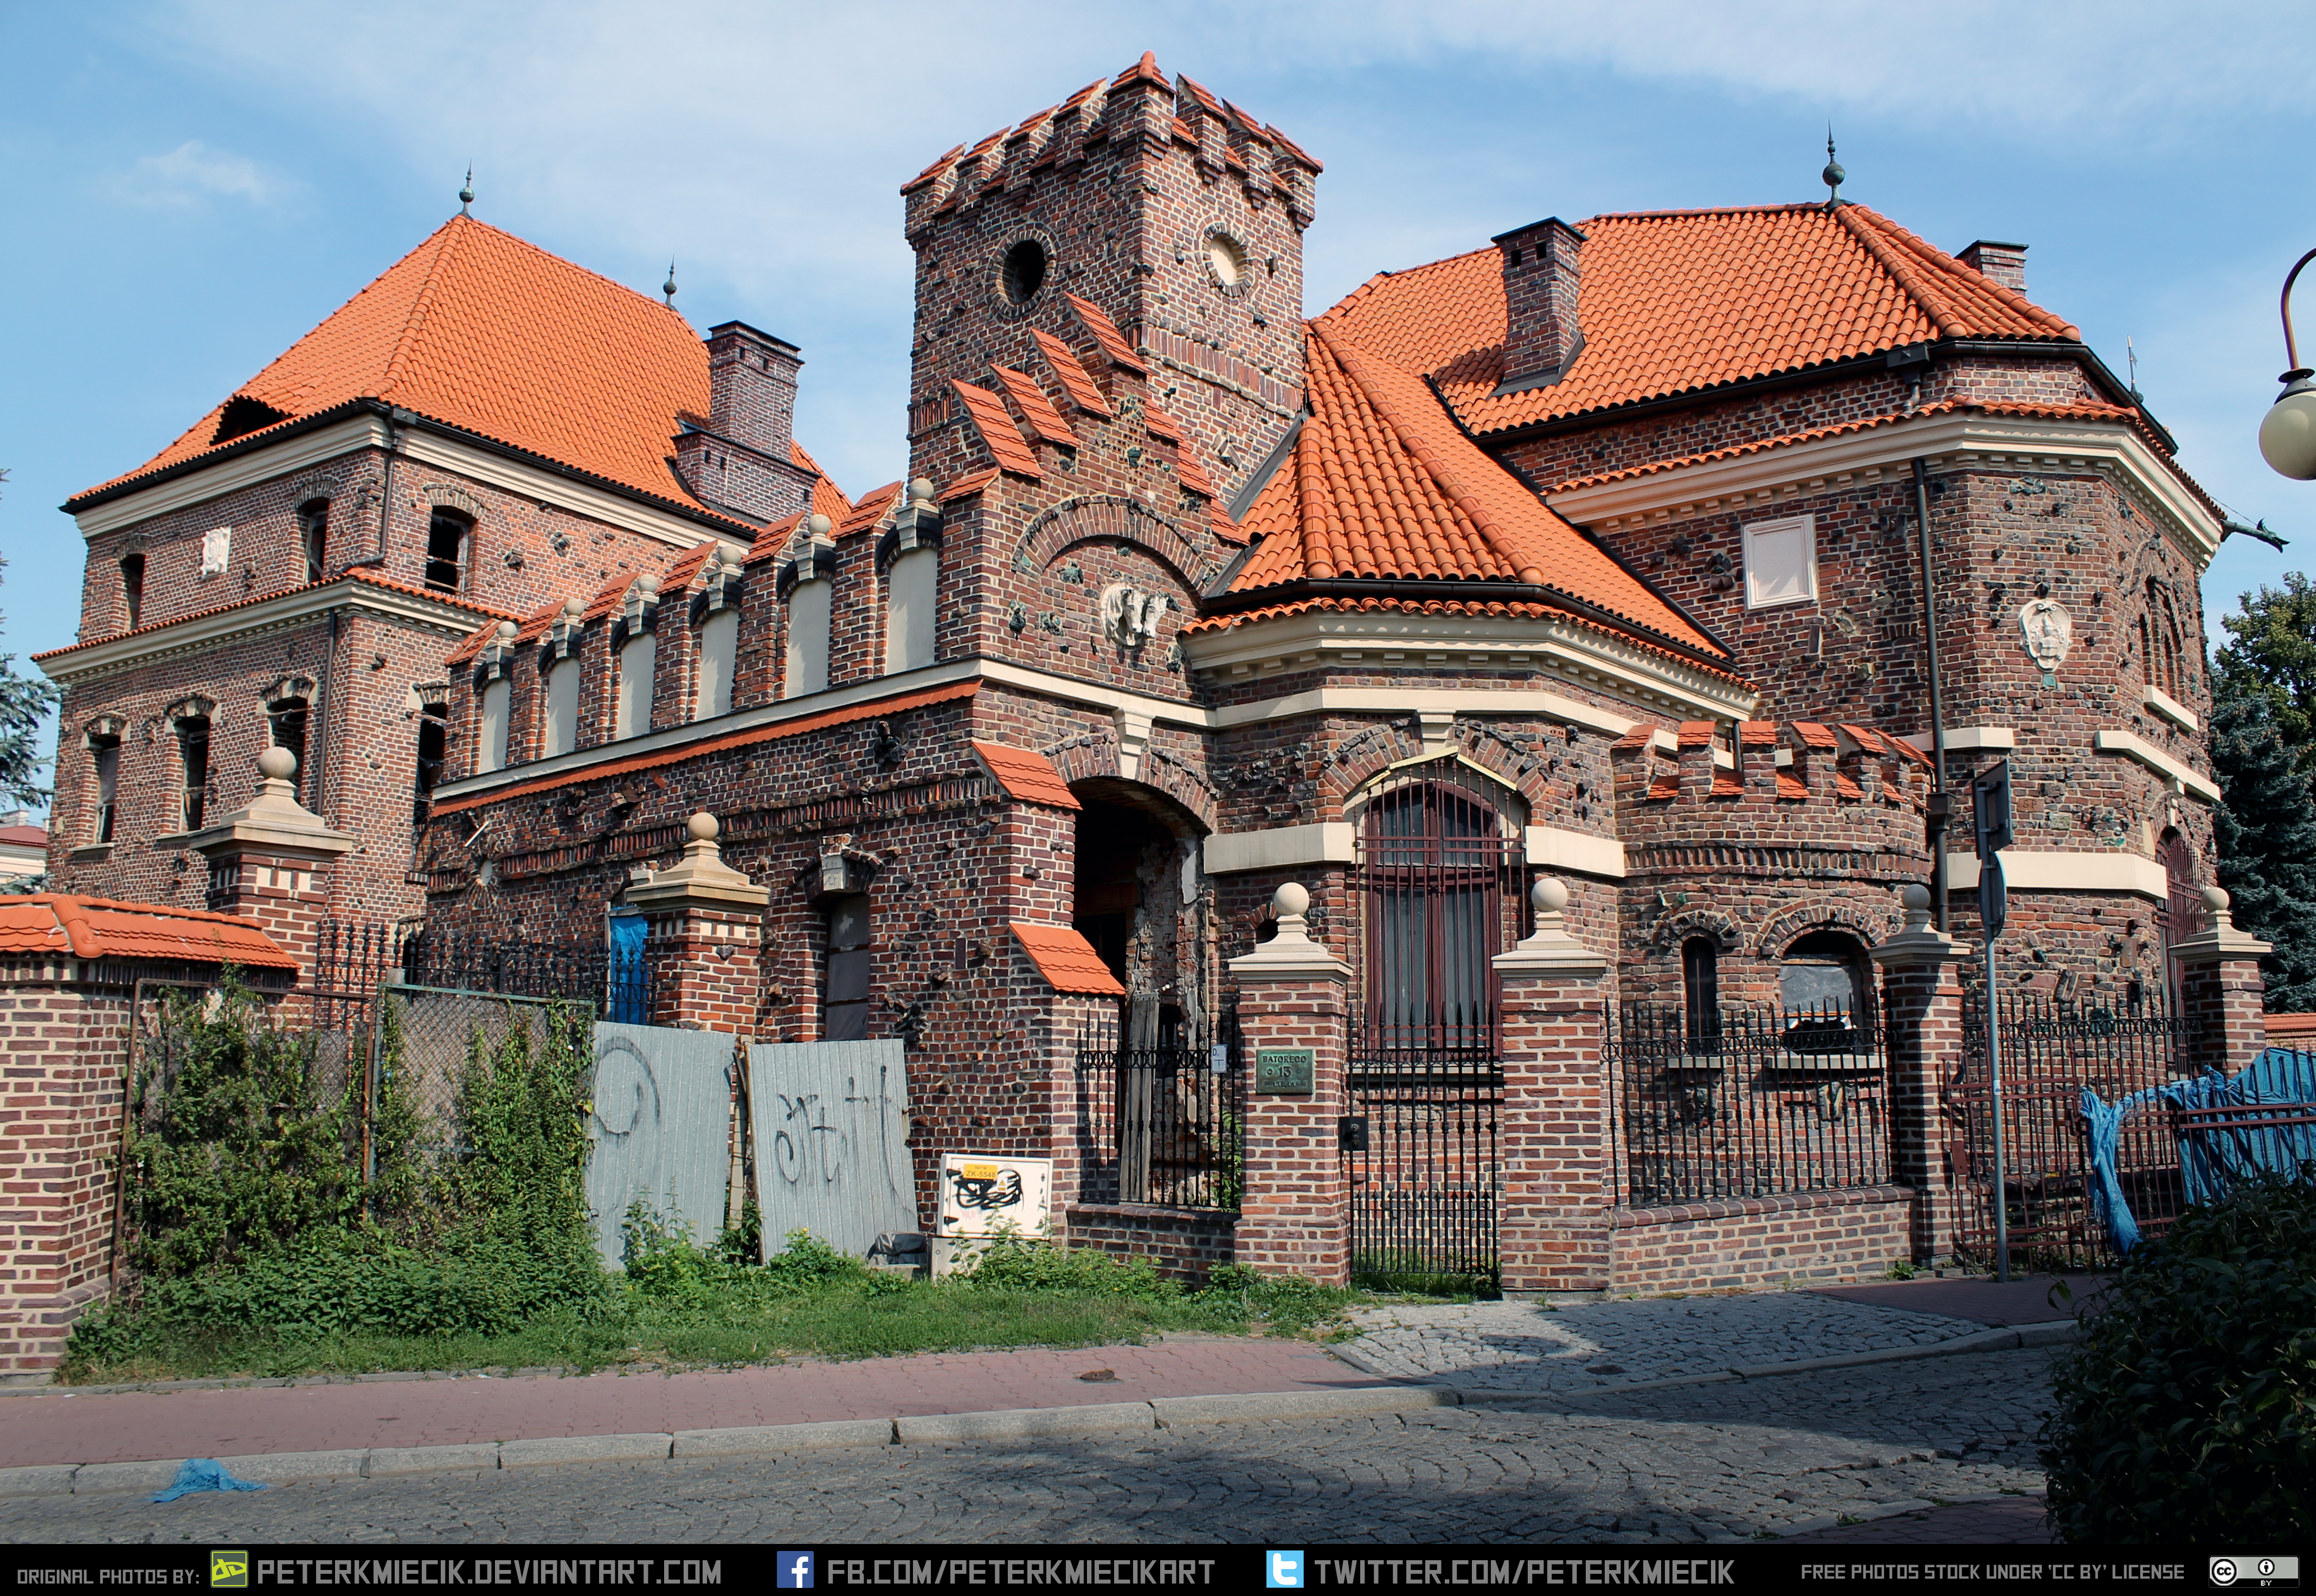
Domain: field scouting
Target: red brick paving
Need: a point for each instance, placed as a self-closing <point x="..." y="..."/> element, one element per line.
<point x="55" y="1426"/>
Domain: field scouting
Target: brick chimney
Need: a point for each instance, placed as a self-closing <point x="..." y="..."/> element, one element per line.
<point x="740" y="462"/>
<point x="2005" y="263"/>
<point x="1543" y="271"/>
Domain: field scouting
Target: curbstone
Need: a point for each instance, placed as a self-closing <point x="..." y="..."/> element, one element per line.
<point x="646" y="1447"/>
<point x="780" y="1438"/>
<point x="392" y="1460"/>
<point x="1303" y="1404"/>
<point x="1021" y="1423"/>
<point x="281" y="1467"/>
<point x="46" y="1479"/>
<point x="2051" y="1333"/>
<point x="125" y="1476"/>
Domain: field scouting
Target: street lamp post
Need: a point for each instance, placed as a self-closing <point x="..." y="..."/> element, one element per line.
<point x="2287" y="437"/>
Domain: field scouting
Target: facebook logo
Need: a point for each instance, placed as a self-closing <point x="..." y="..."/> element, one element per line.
<point x="793" y="1571"/>
<point x="1283" y="1571"/>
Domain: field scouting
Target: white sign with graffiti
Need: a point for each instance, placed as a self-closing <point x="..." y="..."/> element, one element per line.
<point x="983" y="1193"/>
<point x="831" y="1142"/>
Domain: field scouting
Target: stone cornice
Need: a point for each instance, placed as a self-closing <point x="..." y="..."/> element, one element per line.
<point x="1955" y="438"/>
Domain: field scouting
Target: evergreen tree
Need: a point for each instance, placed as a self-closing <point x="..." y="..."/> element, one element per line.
<point x="2271" y="652"/>
<point x="2267" y="836"/>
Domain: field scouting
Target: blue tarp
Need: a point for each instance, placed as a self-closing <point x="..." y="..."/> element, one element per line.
<point x="204" y="1474"/>
<point x="2214" y="1160"/>
<point x="630" y="997"/>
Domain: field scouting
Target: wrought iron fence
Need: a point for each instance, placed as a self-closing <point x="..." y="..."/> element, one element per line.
<point x="1159" y="1125"/>
<point x="1744" y="1101"/>
<point x="2052" y="1050"/>
<point x="620" y="984"/>
<point x="1421" y="1161"/>
<point x="427" y="1039"/>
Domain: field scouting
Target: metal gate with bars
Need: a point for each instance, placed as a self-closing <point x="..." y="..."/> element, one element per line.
<point x="1440" y="879"/>
<point x="2052" y="1051"/>
<point x="1159" y="1125"/>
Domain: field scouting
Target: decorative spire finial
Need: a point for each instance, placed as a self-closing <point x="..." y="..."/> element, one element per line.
<point x="1833" y="175"/>
<point x="668" y="287"/>
<point x="466" y="193"/>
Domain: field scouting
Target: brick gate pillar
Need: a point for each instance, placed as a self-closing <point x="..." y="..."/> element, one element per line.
<point x="1293" y="1213"/>
<point x="1553" y="1227"/>
<point x="1923" y="991"/>
<point x="270" y="861"/>
<point x="2219" y="984"/>
<point x="706" y="940"/>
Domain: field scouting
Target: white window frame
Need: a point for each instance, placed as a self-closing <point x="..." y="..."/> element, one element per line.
<point x="1804" y="526"/>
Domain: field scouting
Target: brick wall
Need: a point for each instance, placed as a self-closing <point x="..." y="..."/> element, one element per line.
<point x="1186" y="1244"/>
<point x="1821" y="1237"/>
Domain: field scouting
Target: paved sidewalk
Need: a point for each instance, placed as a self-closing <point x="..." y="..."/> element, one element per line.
<point x="2031" y="1301"/>
<point x="2004" y="1521"/>
<point x="61" y="1426"/>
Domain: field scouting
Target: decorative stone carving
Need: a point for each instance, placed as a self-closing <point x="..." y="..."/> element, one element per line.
<point x="1129" y="616"/>
<point x="2047" y="634"/>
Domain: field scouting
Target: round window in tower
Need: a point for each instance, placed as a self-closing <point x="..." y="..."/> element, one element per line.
<point x="1227" y="260"/>
<point x="1024" y="271"/>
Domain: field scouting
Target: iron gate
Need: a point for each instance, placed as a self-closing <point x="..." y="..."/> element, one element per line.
<point x="1426" y="1186"/>
<point x="2052" y="1050"/>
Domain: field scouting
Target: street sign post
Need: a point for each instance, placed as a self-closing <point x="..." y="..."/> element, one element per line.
<point x="1989" y="792"/>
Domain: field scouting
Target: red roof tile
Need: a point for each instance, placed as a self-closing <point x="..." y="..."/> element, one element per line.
<point x="1790" y="786"/>
<point x="1844" y="786"/>
<point x="1027" y="775"/>
<point x="1036" y="409"/>
<point x="773" y="541"/>
<point x="1161" y="425"/>
<point x="870" y="511"/>
<point x="1075" y="381"/>
<point x="995" y="424"/>
<point x="1755" y="734"/>
<point x="1695" y="733"/>
<point x="1727" y="784"/>
<point x="1817" y="736"/>
<point x="24" y="836"/>
<point x="366" y="578"/>
<point x="1865" y="737"/>
<point x="1106" y="334"/>
<point x="718" y="745"/>
<point x="1066" y="959"/>
<point x="973" y="481"/>
<point x="827" y="498"/>
<point x="104" y="928"/>
<point x="1664" y="786"/>
<point x="1144" y="70"/>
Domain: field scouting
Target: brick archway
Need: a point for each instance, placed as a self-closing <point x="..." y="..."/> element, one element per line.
<point x="1082" y="519"/>
<point x="1783" y="929"/>
<point x="1095" y="757"/>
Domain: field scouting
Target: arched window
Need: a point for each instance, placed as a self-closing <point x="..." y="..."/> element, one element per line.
<point x="1436" y="863"/>
<point x="639" y="656"/>
<point x="807" y="669"/>
<point x="558" y="707"/>
<point x="912" y="586"/>
<point x="194" y="763"/>
<point x="719" y="658"/>
<point x="105" y="755"/>
<point x="491" y="743"/>
<point x="1700" y="992"/>
<point x="448" y="535"/>
<point x="844" y="999"/>
<point x="314" y="535"/>
<point x="2182" y="913"/>
<point x="133" y="589"/>
<point x="1823" y="975"/>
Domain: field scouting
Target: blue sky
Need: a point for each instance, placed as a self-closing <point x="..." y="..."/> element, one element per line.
<point x="189" y="186"/>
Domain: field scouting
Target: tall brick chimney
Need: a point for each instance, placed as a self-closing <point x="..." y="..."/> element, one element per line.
<point x="2005" y="263"/>
<point x="1543" y="268"/>
<point x="741" y="461"/>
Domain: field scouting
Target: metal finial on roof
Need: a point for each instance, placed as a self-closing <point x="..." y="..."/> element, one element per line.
<point x="1833" y="175"/>
<point x="668" y="287"/>
<point x="466" y="193"/>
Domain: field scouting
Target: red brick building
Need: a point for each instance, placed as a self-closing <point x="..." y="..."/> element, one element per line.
<point x="1596" y="551"/>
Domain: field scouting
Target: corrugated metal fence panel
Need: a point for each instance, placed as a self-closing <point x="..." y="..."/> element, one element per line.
<point x="661" y="1127"/>
<point x="832" y="1130"/>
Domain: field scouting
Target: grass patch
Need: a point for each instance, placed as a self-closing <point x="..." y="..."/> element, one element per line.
<point x="681" y="1307"/>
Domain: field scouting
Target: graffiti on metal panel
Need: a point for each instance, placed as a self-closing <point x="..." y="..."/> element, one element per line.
<point x="626" y="1091"/>
<point x="824" y="1141"/>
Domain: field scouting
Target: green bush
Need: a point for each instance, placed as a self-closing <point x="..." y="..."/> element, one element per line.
<point x="1292" y="1303"/>
<point x="2186" y="1411"/>
<point x="1014" y="1263"/>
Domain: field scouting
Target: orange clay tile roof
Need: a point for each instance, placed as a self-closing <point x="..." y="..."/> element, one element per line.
<point x="1675" y="302"/>
<point x="1026" y="774"/>
<point x="1066" y="959"/>
<point x="740" y="739"/>
<point x="870" y="511"/>
<point x="103" y="928"/>
<point x="1727" y="784"/>
<point x="989" y="419"/>
<point x="366" y="578"/>
<point x="1695" y="733"/>
<point x="1382" y="484"/>
<point x="1191" y="474"/>
<point x="1076" y="382"/>
<point x="773" y="541"/>
<point x="1817" y="736"/>
<point x="827" y="498"/>
<point x="1106" y="334"/>
<point x="1035" y="408"/>
<point x="1755" y="734"/>
<point x="1790" y="786"/>
<point x="1844" y="786"/>
<point x="971" y="483"/>
<point x="24" y="836"/>
<point x="1161" y="425"/>
<point x="1664" y="786"/>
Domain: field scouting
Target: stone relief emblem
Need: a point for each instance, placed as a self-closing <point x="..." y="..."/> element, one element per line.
<point x="2046" y="633"/>
<point x="1129" y="616"/>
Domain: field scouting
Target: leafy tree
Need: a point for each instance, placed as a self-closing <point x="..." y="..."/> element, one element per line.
<point x="2271" y="653"/>
<point x="24" y="703"/>
<point x="2267" y="835"/>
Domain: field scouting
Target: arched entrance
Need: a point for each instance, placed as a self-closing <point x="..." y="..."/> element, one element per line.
<point x="1139" y="901"/>
<point x="2182" y="913"/>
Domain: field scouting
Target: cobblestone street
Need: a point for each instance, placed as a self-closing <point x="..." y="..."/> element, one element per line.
<point x="1683" y="1463"/>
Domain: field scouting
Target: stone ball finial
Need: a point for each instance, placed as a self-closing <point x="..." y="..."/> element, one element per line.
<point x="920" y="491"/>
<point x="647" y="583"/>
<point x="507" y="629"/>
<point x="731" y="554"/>
<point x="1915" y="896"/>
<point x="575" y="608"/>
<point x="2216" y="899"/>
<point x="277" y="764"/>
<point x="819" y="526"/>
<point x="1549" y="895"/>
<point x="702" y="828"/>
<point x="1291" y="899"/>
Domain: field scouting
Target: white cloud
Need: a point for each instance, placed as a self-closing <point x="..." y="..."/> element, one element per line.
<point x="193" y="173"/>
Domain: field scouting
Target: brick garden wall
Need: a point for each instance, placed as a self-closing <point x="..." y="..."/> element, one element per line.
<point x="1823" y="1237"/>
<point x="1186" y="1244"/>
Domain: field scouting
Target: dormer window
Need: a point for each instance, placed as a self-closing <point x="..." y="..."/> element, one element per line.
<point x="448" y="538"/>
<point x="133" y="589"/>
<point x="313" y="536"/>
